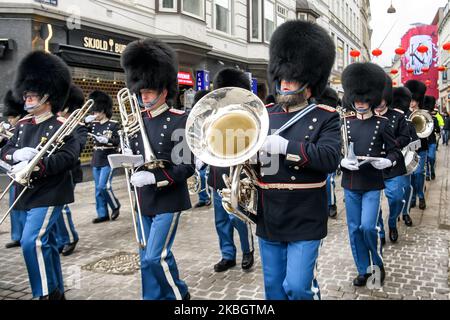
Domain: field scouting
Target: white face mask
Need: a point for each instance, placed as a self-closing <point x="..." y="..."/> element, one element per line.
<point x="30" y="107"/>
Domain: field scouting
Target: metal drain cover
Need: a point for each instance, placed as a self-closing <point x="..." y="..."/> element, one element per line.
<point x="123" y="263"/>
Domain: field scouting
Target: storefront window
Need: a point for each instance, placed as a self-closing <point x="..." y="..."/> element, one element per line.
<point x="269" y="19"/>
<point x="222" y="13"/>
<point x="194" y="8"/>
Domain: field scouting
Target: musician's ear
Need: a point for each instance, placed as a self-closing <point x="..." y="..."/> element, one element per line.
<point x="308" y="92"/>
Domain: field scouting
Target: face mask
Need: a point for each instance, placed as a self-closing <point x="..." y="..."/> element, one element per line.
<point x="150" y="104"/>
<point x="289" y="93"/>
<point x="360" y="110"/>
<point x="30" y="107"/>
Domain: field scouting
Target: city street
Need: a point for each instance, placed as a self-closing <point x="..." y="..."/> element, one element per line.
<point x="105" y="263"/>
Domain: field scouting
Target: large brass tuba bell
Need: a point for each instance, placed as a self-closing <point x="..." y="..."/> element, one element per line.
<point x="226" y="128"/>
<point x="423" y="122"/>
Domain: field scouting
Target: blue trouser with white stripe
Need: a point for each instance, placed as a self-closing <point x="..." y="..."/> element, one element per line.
<point x="394" y="194"/>
<point x="407" y="194"/>
<point x="18" y="218"/>
<point x="104" y="195"/>
<point x="331" y="186"/>
<point x="203" y="195"/>
<point x="159" y="272"/>
<point x="431" y="160"/>
<point x="289" y="269"/>
<point x="363" y="208"/>
<point x="225" y="224"/>
<point x="65" y="229"/>
<point x="40" y="251"/>
<point x="418" y="178"/>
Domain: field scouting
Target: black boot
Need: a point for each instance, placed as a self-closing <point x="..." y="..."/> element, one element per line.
<point x="383" y="241"/>
<point x="100" y="220"/>
<point x="69" y="248"/>
<point x="55" y="295"/>
<point x="361" y="281"/>
<point x="422" y="204"/>
<point x="332" y="211"/>
<point x="12" y="244"/>
<point x="247" y="260"/>
<point x="433" y="176"/>
<point x="408" y="220"/>
<point x="224" y="265"/>
<point x="187" y="296"/>
<point x="115" y="214"/>
<point x="393" y="235"/>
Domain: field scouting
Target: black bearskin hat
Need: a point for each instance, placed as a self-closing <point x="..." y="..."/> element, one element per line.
<point x="329" y="97"/>
<point x="151" y="64"/>
<point x="102" y="103"/>
<point x="364" y="82"/>
<point x="388" y="91"/>
<point x="198" y="95"/>
<point x="230" y="77"/>
<point x="301" y="51"/>
<point x="13" y="106"/>
<point x="429" y="103"/>
<point x="401" y="99"/>
<point x="44" y="73"/>
<point x="75" y="99"/>
<point x="418" y="90"/>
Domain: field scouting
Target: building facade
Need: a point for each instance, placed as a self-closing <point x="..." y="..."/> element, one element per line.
<point x="443" y="17"/>
<point x="207" y="35"/>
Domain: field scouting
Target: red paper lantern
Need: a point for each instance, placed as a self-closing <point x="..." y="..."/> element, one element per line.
<point x="422" y="49"/>
<point x="377" y="52"/>
<point x="355" y="53"/>
<point x="400" y="51"/>
<point x="442" y="68"/>
<point x="446" y="46"/>
<point x="410" y="70"/>
<point x="394" y="71"/>
<point x="425" y="69"/>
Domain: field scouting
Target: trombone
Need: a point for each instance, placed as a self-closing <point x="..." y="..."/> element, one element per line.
<point x="45" y="149"/>
<point x="133" y="123"/>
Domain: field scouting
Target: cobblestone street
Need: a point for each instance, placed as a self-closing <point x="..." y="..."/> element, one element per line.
<point x="417" y="266"/>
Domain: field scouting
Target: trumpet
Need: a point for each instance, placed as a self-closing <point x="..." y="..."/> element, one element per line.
<point x="45" y="149"/>
<point x="5" y="133"/>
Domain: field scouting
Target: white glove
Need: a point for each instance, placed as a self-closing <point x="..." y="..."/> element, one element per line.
<point x="275" y="144"/>
<point x="127" y="152"/>
<point x="351" y="165"/>
<point x="19" y="166"/>
<point x="382" y="164"/>
<point x="199" y="164"/>
<point x="142" y="178"/>
<point x="24" y="154"/>
<point x="90" y="118"/>
<point x="6" y="126"/>
<point x="102" y="139"/>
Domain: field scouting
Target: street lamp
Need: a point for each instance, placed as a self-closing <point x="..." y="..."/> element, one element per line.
<point x="391" y="9"/>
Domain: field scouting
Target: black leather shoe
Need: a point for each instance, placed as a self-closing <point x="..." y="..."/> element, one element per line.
<point x="100" y="220"/>
<point x="433" y="176"/>
<point x="202" y="204"/>
<point x="361" y="281"/>
<point x="69" y="248"/>
<point x="55" y="295"/>
<point x="224" y="265"/>
<point x="393" y="235"/>
<point x="115" y="214"/>
<point x="247" y="260"/>
<point x="187" y="296"/>
<point x="12" y="244"/>
<point x="408" y="220"/>
<point x="422" y="204"/>
<point x="413" y="205"/>
<point x="332" y="211"/>
<point x="383" y="241"/>
<point x="383" y="274"/>
<point x="428" y="178"/>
